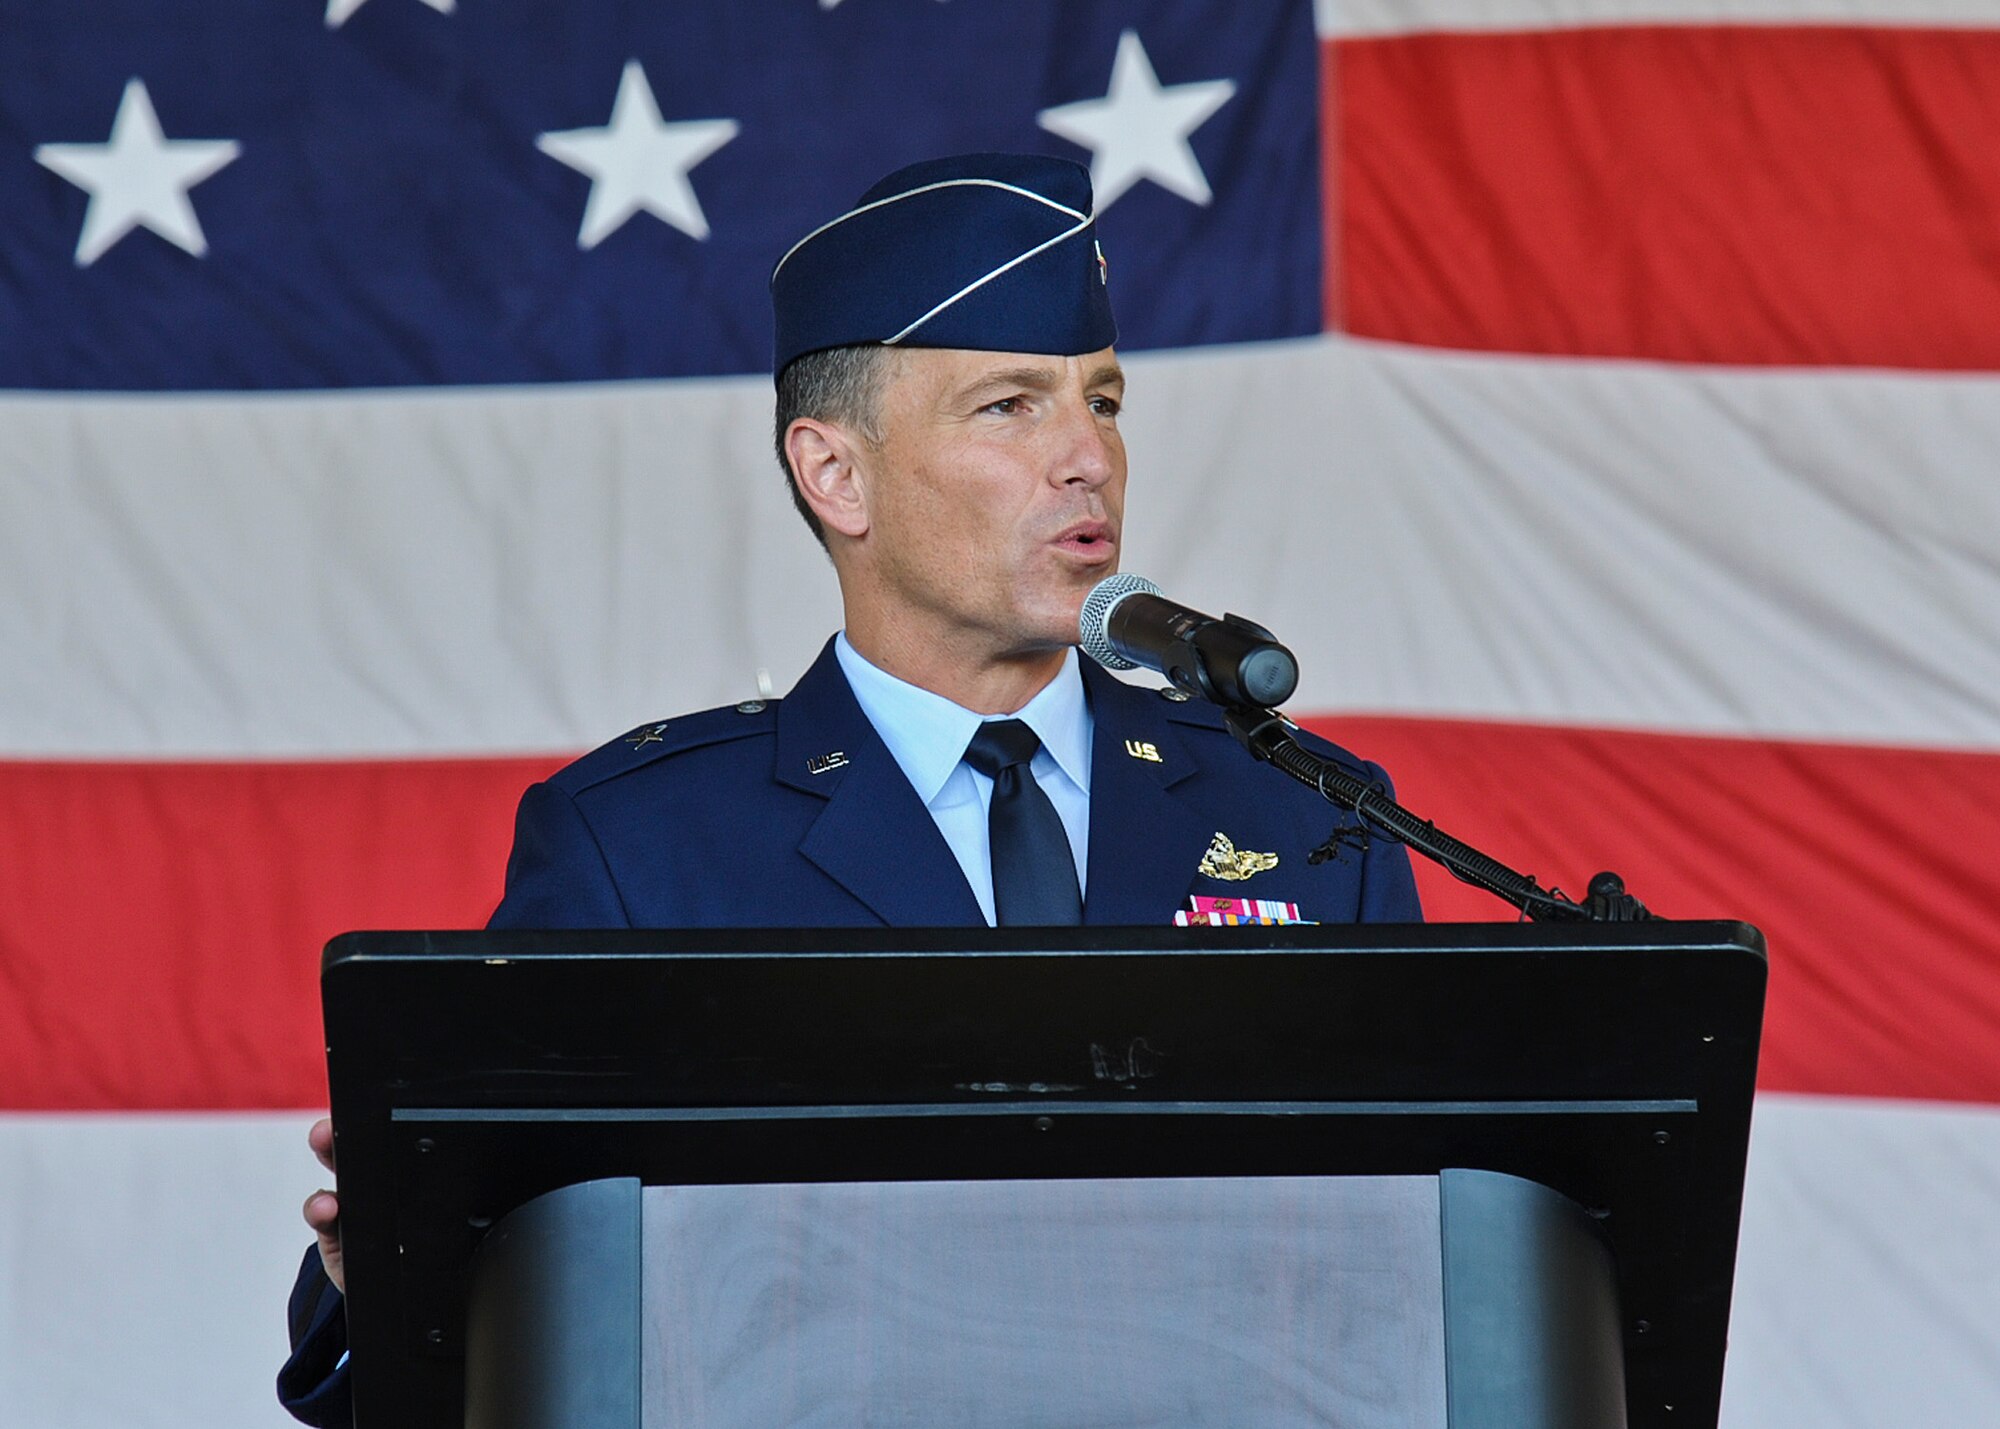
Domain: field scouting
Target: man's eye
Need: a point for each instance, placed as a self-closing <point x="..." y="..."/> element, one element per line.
<point x="1104" y="406"/>
<point x="1005" y="407"/>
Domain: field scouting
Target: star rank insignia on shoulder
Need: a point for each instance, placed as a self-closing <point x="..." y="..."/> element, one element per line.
<point x="650" y="734"/>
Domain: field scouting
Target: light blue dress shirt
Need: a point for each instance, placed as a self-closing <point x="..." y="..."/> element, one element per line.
<point x="927" y="735"/>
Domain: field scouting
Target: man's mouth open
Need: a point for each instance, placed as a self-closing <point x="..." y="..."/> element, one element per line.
<point x="1089" y="540"/>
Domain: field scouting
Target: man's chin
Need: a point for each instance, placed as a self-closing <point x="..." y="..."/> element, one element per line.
<point x="1059" y="632"/>
<point x="1048" y="616"/>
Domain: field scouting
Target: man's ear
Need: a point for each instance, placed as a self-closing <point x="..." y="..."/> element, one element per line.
<point x="823" y="457"/>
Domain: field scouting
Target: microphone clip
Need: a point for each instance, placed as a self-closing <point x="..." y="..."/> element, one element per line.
<point x="1187" y="669"/>
<point x="1186" y="664"/>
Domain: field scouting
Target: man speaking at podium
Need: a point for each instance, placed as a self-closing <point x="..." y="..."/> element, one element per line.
<point x="947" y="416"/>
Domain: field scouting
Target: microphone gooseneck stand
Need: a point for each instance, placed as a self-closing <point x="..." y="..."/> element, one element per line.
<point x="1267" y="735"/>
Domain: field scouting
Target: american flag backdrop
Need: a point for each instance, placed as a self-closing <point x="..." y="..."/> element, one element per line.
<point x="1599" y="395"/>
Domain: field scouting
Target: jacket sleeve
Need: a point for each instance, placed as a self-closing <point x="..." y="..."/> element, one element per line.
<point x="313" y="1385"/>
<point x="557" y="876"/>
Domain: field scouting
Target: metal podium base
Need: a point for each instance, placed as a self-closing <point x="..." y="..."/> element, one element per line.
<point x="1468" y="1300"/>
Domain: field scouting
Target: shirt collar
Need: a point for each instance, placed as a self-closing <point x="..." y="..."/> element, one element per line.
<point x="927" y="733"/>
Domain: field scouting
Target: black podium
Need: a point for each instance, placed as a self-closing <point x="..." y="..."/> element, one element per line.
<point x="1501" y="1166"/>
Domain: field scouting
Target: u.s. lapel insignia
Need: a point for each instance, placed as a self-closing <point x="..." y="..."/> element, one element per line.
<point x="651" y="734"/>
<point x="820" y="763"/>
<point x="1225" y="861"/>
<point x="1140" y="749"/>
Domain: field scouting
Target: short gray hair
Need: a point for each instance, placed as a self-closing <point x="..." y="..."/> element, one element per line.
<point x="835" y="384"/>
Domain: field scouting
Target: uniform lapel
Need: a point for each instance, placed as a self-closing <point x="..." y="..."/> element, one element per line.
<point x="875" y="838"/>
<point x="1145" y="842"/>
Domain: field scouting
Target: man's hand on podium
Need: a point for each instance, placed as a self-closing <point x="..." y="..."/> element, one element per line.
<point x="322" y="1208"/>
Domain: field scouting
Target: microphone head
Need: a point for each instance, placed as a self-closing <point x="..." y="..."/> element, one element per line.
<point x="1094" y="625"/>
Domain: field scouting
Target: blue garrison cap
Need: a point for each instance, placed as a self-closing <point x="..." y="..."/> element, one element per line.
<point x="996" y="252"/>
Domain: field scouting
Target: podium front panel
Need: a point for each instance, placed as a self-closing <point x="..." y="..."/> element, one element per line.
<point x="1284" y="1302"/>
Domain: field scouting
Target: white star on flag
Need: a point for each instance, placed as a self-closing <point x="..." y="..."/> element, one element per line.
<point x="337" y="11"/>
<point x="638" y="161"/>
<point x="138" y="176"/>
<point x="1140" y="129"/>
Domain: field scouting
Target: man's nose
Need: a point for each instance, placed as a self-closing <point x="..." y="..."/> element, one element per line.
<point x="1087" y="455"/>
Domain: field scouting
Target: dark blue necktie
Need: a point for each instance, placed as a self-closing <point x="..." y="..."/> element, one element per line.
<point x="1034" y="871"/>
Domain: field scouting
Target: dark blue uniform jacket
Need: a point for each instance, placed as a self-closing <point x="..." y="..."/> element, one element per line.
<point x="793" y="813"/>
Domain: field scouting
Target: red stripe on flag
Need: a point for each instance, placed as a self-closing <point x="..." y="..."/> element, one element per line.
<point x="161" y="925"/>
<point x="1869" y="871"/>
<point x="1754" y="194"/>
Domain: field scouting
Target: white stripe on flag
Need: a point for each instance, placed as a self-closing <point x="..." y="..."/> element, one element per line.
<point x="144" y="1263"/>
<point x="1787" y="553"/>
<point x="483" y="570"/>
<point x="1868" y="1268"/>
<point x="144" y="1266"/>
<point x="1810" y="554"/>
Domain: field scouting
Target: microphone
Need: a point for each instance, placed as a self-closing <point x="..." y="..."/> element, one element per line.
<point x="1127" y="623"/>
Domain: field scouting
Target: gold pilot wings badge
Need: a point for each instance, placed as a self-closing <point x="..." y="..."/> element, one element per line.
<point x="1226" y="861"/>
